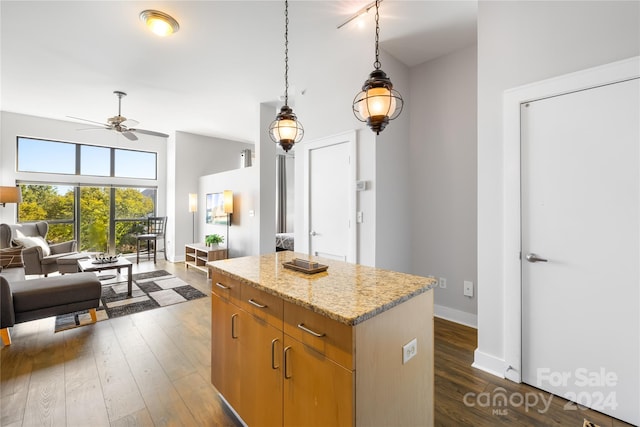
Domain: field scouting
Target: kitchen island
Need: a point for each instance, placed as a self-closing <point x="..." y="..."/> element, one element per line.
<point x="351" y="346"/>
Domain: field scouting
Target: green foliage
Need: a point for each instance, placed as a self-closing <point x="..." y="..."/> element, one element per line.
<point x="213" y="239"/>
<point x="50" y="202"/>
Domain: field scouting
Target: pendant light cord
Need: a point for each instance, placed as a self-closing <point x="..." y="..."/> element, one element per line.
<point x="377" y="64"/>
<point x="286" y="52"/>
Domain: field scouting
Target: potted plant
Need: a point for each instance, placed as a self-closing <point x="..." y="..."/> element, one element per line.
<point x="213" y="239"/>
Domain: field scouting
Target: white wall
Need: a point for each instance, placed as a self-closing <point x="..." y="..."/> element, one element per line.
<point x="519" y="43"/>
<point x="443" y="134"/>
<point x="192" y="156"/>
<point x="14" y="125"/>
<point x="244" y="228"/>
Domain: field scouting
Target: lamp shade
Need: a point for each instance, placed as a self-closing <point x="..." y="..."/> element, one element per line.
<point x="228" y="201"/>
<point x="10" y="195"/>
<point x="193" y="202"/>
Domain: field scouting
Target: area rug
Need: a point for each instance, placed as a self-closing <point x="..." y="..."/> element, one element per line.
<point x="150" y="290"/>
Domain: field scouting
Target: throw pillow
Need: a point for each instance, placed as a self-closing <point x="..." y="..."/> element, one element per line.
<point x="31" y="241"/>
<point x="11" y="257"/>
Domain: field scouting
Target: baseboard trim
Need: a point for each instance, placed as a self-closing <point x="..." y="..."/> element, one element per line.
<point x="457" y="316"/>
<point x="488" y="363"/>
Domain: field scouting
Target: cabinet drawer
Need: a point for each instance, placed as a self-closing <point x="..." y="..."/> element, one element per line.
<point x="225" y="287"/>
<point x="262" y="305"/>
<point x="335" y="340"/>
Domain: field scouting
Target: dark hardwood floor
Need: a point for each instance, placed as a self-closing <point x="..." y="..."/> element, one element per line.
<point x="153" y="369"/>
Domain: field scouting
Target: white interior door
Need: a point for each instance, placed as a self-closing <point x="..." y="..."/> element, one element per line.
<point x="330" y="175"/>
<point x="580" y="212"/>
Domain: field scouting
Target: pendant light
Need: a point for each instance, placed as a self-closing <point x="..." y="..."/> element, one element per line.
<point x="286" y="130"/>
<point x="378" y="102"/>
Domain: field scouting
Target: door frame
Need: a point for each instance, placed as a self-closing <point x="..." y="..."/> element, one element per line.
<point x="350" y="139"/>
<point x="512" y="267"/>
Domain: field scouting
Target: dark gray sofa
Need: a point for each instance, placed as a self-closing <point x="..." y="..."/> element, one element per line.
<point x="24" y="300"/>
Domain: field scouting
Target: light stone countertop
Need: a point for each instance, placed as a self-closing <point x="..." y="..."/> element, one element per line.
<point x="348" y="293"/>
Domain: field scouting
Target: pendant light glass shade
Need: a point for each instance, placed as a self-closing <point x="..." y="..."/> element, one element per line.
<point x="378" y="102"/>
<point x="286" y="130"/>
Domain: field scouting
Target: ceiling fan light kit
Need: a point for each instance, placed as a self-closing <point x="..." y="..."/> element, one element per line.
<point x="378" y="102"/>
<point x="286" y="130"/>
<point x="159" y="23"/>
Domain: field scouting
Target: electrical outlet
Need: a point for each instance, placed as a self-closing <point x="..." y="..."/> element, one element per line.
<point x="468" y="288"/>
<point x="409" y="350"/>
<point x="442" y="282"/>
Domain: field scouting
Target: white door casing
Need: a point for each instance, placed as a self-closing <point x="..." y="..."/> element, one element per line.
<point x="329" y="197"/>
<point x="581" y="215"/>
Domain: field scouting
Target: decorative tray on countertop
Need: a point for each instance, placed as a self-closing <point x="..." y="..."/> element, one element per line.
<point x="304" y="266"/>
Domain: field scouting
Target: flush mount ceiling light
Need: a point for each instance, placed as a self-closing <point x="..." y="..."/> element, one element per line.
<point x="159" y="23"/>
<point x="286" y="130"/>
<point x="377" y="103"/>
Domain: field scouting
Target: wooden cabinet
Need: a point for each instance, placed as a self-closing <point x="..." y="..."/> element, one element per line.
<point x="290" y="366"/>
<point x="225" y="346"/>
<point x="318" y="392"/>
<point x="197" y="255"/>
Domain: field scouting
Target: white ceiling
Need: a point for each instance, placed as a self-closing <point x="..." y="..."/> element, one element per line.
<point x="65" y="58"/>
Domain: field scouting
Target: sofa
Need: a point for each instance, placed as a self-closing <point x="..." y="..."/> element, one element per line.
<point x="38" y="256"/>
<point x="24" y="300"/>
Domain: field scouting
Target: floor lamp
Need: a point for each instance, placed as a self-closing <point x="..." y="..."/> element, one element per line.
<point x="228" y="209"/>
<point x="193" y="208"/>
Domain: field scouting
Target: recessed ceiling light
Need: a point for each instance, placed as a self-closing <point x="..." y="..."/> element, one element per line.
<point x="159" y="23"/>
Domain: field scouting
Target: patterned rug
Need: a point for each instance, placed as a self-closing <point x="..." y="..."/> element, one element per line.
<point x="150" y="290"/>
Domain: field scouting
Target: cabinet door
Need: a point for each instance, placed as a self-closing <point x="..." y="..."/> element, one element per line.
<point x="261" y="360"/>
<point x="317" y="391"/>
<point x="225" y="349"/>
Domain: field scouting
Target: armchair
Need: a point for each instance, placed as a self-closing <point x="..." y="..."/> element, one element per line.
<point x="37" y="255"/>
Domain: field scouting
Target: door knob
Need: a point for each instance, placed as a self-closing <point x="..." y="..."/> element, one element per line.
<point x="313" y="233"/>
<point x="535" y="258"/>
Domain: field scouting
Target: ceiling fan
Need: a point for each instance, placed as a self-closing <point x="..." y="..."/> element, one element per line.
<point x="121" y="124"/>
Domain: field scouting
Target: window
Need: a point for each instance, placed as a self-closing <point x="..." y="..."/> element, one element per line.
<point x="108" y="217"/>
<point x="135" y="164"/>
<point x="101" y="215"/>
<point x="95" y="161"/>
<point x="51" y="203"/>
<point x="36" y="155"/>
<point x="54" y="157"/>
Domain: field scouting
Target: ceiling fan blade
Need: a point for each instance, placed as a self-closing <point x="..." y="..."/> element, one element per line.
<point x="129" y="122"/>
<point x="96" y="128"/>
<point x="149" y="132"/>
<point x="89" y="121"/>
<point x="131" y="137"/>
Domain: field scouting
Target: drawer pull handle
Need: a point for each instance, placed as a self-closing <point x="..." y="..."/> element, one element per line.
<point x="221" y="286"/>
<point x="286" y="363"/>
<point x="256" y="304"/>
<point x="273" y="354"/>
<point x="309" y="331"/>
<point x="233" y="326"/>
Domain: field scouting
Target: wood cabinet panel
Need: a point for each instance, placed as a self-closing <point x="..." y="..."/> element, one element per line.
<point x="261" y="376"/>
<point x="337" y="340"/>
<point x="262" y="305"/>
<point x="226" y="287"/>
<point x="225" y="350"/>
<point x="317" y="391"/>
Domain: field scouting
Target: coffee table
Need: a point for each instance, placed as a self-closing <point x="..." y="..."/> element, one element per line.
<point x="88" y="265"/>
